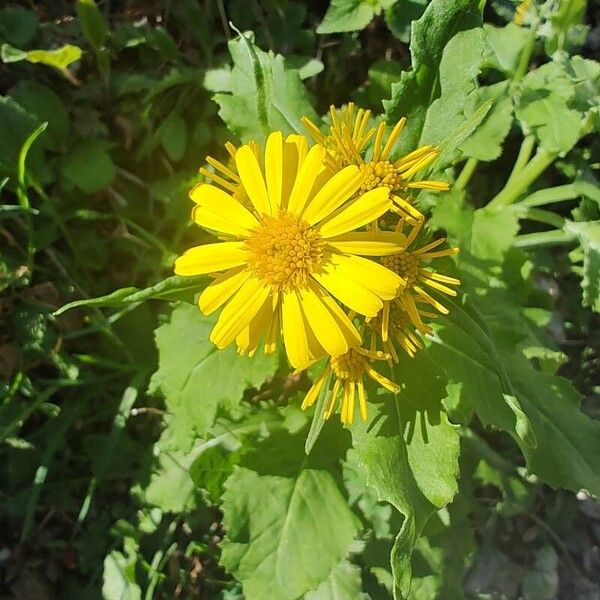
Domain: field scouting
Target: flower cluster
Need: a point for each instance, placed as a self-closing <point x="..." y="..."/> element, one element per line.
<point x="319" y="249"/>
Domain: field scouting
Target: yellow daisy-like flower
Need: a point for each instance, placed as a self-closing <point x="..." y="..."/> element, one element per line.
<point x="349" y="370"/>
<point x="292" y="253"/>
<point x="347" y="143"/>
<point x="408" y="265"/>
<point x="393" y="324"/>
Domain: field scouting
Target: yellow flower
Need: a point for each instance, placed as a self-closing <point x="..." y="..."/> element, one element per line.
<point x="287" y="258"/>
<point x="408" y="265"/>
<point x="348" y="371"/>
<point x="393" y="323"/>
<point x="521" y="12"/>
<point x="347" y="142"/>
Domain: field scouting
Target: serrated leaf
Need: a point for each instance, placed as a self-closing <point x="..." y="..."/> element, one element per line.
<point x="485" y="143"/>
<point x="195" y="378"/>
<point x="416" y="89"/>
<point x="588" y="234"/>
<point x="505" y="46"/>
<point x="285" y="535"/>
<point x="417" y="475"/>
<point x="265" y="82"/>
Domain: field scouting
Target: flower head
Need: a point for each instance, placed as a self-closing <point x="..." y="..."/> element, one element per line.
<point x="292" y="253"/>
<point x="348" y="371"/>
<point x="412" y="265"/>
<point x="347" y="145"/>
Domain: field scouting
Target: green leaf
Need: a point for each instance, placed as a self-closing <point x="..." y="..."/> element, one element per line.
<point x="271" y="521"/>
<point x="92" y="23"/>
<point x="505" y="46"/>
<point x="169" y="289"/>
<point x="17" y="25"/>
<point x="416" y="89"/>
<point x="588" y="234"/>
<point x="41" y="101"/>
<point x="119" y="581"/>
<point x="60" y="58"/>
<point x="196" y="379"/>
<point x="400" y="15"/>
<point x="416" y="473"/>
<point x="173" y="136"/>
<point x="485" y="143"/>
<point x="88" y="166"/>
<point x="569" y="14"/>
<point x="17" y="125"/>
<point x="267" y="79"/>
<point x="344" y="583"/>
<point x="347" y="15"/>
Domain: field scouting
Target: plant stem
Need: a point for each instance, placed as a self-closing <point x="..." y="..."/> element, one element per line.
<point x="560" y="193"/>
<point x="543" y="238"/>
<point x="466" y="173"/>
<point x="530" y="172"/>
<point x="524" y="155"/>
<point x="545" y="216"/>
<point x="525" y="57"/>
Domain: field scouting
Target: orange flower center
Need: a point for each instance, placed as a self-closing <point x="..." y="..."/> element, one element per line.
<point x="405" y="265"/>
<point x="349" y="366"/>
<point x="285" y="250"/>
<point x="379" y="174"/>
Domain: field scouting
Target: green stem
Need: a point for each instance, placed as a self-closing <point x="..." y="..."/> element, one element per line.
<point x="525" y="57"/>
<point x="560" y="193"/>
<point x="530" y="172"/>
<point x="545" y="216"/>
<point x="524" y="155"/>
<point x="553" y="237"/>
<point x="466" y="173"/>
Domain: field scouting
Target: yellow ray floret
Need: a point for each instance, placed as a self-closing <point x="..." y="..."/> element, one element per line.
<point x="292" y="253"/>
<point x="410" y="265"/>
<point x="347" y="142"/>
<point x="348" y="371"/>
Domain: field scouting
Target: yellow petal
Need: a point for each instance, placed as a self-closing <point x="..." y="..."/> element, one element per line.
<point x="381" y="380"/>
<point x="274" y="169"/>
<point x="215" y="205"/>
<point x="249" y="338"/>
<point x="211" y="258"/>
<point x="307" y="174"/>
<point x="239" y="311"/>
<point x="252" y="179"/>
<point x="381" y="281"/>
<point x="333" y="194"/>
<point x="369" y="243"/>
<point x="357" y="213"/>
<point x="349" y="292"/>
<point x="221" y="289"/>
<point x="301" y="346"/>
<point x="315" y="389"/>
<point x="332" y="328"/>
<point x="295" y="149"/>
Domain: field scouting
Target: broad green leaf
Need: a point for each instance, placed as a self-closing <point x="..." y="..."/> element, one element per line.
<point x="88" y="166"/>
<point x="17" y="25"/>
<point x="456" y="77"/>
<point x="344" y="583"/>
<point x="588" y="234"/>
<point x="196" y="379"/>
<point x="41" y="101"/>
<point x="485" y="143"/>
<point x="416" y="473"/>
<point x="416" y="89"/>
<point x="119" y="579"/>
<point x="173" y="136"/>
<point x="92" y="23"/>
<point x="400" y="16"/>
<point x="565" y="21"/>
<point x="17" y="125"/>
<point x="505" y="46"/>
<point x="286" y="535"/>
<point x="351" y="15"/>
<point x="171" y="288"/>
<point x="262" y="88"/>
